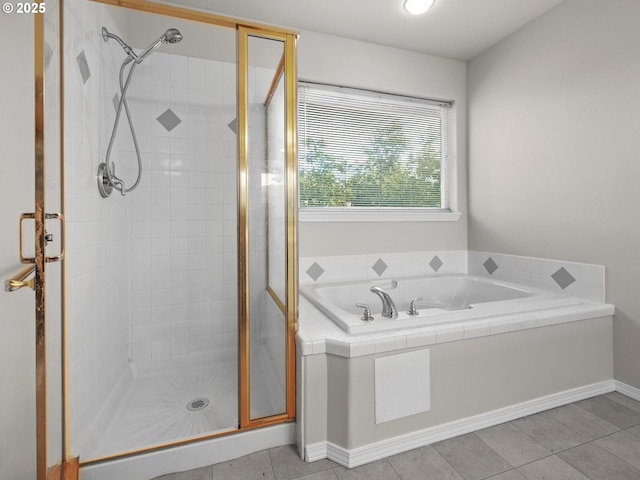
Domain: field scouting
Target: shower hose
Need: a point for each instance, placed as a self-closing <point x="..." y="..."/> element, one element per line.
<point x="109" y="168"/>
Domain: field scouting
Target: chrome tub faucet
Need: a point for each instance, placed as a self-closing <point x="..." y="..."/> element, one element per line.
<point x="389" y="309"/>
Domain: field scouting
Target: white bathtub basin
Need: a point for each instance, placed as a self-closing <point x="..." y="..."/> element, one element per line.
<point x="447" y="298"/>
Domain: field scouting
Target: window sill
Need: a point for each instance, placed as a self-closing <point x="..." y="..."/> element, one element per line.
<point x="351" y="214"/>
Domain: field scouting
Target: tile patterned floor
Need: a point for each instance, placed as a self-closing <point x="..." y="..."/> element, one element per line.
<point x="594" y="439"/>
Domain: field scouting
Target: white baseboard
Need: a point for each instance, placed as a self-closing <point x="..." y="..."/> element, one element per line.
<point x="376" y="451"/>
<point x="628" y="390"/>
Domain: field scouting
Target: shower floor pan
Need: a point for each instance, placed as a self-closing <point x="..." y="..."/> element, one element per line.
<point x="166" y="407"/>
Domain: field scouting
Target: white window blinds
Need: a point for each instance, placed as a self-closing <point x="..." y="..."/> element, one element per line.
<point x="370" y="150"/>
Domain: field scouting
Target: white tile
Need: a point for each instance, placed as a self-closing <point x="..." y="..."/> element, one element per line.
<point x="161" y="331"/>
<point x="318" y="345"/>
<point x="523" y="264"/>
<point x="197" y="148"/>
<point x="196" y="71"/>
<point x="524" y="321"/>
<point x="160" y="297"/>
<point x="522" y="277"/>
<point x="592" y="291"/>
<point x="160" y="314"/>
<point x="158" y="263"/>
<point x="141" y="229"/>
<point x="141" y="316"/>
<point x="593" y="274"/>
<point x="179" y="329"/>
<point x="362" y="346"/>
<point x="449" y="333"/>
<point x="160" y="349"/>
<point x="422" y="337"/>
<point x="179" y="346"/>
<point x="337" y="347"/>
<point x="501" y="325"/>
<point x="389" y="342"/>
<point x="420" y="263"/>
<point x="160" y="246"/>
<point x="541" y="266"/>
<point x="142" y="299"/>
<point x="141" y="333"/>
<point x="348" y="268"/>
<point x="567" y="314"/>
<point x="477" y="328"/>
<point x="538" y="280"/>
<point x="141" y="351"/>
<point x="592" y="311"/>
<point x="547" y="318"/>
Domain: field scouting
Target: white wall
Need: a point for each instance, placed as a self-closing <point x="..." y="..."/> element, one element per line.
<point x="17" y="310"/>
<point x="339" y="61"/>
<point x="554" y="150"/>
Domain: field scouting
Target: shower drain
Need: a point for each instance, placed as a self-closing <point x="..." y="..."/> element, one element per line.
<point x="197" y="404"/>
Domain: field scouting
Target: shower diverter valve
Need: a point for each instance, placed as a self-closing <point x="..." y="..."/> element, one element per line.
<point x="104" y="186"/>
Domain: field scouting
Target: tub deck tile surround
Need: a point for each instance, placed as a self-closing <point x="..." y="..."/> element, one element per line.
<point x="477" y="329"/>
<point x="318" y="334"/>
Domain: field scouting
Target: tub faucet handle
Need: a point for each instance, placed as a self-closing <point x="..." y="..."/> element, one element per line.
<point x="412" y="306"/>
<point x="366" y="316"/>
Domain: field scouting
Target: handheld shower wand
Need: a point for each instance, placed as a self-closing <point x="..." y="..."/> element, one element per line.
<point x="107" y="179"/>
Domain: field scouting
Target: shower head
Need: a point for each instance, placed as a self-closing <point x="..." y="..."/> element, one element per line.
<point x="171" y="36"/>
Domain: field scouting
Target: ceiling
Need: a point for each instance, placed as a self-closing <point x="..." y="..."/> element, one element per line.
<point x="458" y="29"/>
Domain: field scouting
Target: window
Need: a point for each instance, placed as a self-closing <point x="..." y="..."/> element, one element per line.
<point x="368" y="154"/>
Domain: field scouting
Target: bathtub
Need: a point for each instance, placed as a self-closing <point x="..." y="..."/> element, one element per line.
<point x="480" y="352"/>
<point x="447" y="298"/>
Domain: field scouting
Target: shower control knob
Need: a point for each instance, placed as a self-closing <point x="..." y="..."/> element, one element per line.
<point x="366" y="316"/>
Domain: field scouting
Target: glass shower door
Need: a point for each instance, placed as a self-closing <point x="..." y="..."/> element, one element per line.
<point x="267" y="314"/>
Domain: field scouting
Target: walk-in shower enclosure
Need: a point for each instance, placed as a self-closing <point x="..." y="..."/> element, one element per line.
<point x="178" y="299"/>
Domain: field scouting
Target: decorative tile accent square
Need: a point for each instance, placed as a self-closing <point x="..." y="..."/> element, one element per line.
<point x="169" y="120"/>
<point x="436" y="263"/>
<point x="563" y="278"/>
<point x="379" y="267"/>
<point x="490" y="266"/>
<point x="233" y="125"/>
<point x="315" y="271"/>
<point x="83" y="65"/>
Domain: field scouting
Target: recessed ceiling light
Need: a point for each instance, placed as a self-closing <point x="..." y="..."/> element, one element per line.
<point x="418" y="7"/>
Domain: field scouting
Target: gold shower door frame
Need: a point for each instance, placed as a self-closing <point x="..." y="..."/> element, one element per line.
<point x="68" y="468"/>
<point x="287" y="71"/>
<point x="52" y="462"/>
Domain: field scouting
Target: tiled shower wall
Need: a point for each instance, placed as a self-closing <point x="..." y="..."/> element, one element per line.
<point x="184" y="233"/>
<point x="151" y="274"/>
<point x="98" y="230"/>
